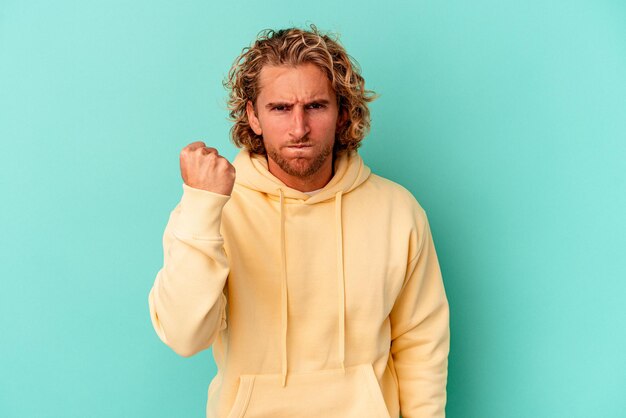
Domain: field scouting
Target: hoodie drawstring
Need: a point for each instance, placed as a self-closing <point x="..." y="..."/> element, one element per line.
<point x="341" y="282"/>
<point x="341" y="287"/>
<point x="283" y="290"/>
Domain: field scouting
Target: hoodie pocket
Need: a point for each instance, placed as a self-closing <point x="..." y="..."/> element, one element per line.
<point x="326" y="393"/>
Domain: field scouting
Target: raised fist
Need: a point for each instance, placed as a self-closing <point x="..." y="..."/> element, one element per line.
<point x="203" y="168"/>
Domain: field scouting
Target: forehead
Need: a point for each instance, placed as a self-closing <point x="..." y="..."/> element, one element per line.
<point x="294" y="83"/>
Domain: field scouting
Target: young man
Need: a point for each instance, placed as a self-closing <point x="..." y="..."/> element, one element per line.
<point x="316" y="281"/>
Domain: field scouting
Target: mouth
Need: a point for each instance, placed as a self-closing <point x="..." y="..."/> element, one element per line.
<point x="299" y="146"/>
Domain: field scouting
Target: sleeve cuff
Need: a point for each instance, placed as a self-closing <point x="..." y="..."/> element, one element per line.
<point x="200" y="212"/>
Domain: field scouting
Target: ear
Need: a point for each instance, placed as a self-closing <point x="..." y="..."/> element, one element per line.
<point x="342" y="118"/>
<point x="252" y="119"/>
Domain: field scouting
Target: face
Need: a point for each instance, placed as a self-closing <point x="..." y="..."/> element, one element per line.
<point x="296" y="113"/>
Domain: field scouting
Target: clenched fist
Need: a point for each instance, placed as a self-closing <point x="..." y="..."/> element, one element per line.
<point x="203" y="168"/>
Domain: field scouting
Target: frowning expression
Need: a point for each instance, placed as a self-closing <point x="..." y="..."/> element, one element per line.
<point x="296" y="113"/>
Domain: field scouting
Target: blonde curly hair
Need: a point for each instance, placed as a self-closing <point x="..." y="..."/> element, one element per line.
<point x="292" y="47"/>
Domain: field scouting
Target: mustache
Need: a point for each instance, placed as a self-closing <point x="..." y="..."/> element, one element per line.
<point x="303" y="141"/>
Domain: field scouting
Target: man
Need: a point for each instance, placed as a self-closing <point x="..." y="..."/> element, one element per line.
<point x="316" y="281"/>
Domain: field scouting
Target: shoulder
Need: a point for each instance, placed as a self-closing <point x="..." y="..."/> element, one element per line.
<point x="388" y="190"/>
<point x="397" y="208"/>
<point x="382" y="199"/>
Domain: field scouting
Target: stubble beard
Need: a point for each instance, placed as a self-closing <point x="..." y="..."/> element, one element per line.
<point x="300" y="167"/>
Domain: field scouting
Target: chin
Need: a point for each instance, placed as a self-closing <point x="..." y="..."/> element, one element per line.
<point x="305" y="165"/>
<point x="300" y="167"/>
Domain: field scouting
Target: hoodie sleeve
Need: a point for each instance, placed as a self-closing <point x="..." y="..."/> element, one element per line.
<point x="420" y="334"/>
<point x="187" y="301"/>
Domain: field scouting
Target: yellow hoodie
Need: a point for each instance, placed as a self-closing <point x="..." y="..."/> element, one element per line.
<point x="325" y="306"/>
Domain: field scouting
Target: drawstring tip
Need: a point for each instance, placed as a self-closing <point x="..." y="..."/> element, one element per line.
<point x="284" y="380"/>
<point x="343" y="368"/>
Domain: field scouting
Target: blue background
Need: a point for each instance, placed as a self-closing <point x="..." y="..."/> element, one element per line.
<point x="507" y="120"/>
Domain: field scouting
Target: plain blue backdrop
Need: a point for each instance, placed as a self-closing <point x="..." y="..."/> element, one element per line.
<point x="507" y="120"/>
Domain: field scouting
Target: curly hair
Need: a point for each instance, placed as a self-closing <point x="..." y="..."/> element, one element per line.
<point x="292" y="47"/>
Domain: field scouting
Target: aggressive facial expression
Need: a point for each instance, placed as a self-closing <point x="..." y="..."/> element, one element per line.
<point x="296" y="113"/>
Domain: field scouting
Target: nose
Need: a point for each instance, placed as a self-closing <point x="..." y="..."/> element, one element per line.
<point x="299" y="123"/>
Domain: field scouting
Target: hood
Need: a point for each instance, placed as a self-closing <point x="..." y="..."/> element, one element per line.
<point x="349" y="173"/>
<point x="252" y="172"/>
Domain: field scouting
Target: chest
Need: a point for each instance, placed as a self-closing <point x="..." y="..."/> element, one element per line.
<point x="317" y="250"/>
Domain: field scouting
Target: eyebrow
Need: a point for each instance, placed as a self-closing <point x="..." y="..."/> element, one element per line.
<point x="287" y="104"/>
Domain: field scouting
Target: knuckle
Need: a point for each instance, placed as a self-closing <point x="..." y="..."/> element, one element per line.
<point x="194" y="145"/>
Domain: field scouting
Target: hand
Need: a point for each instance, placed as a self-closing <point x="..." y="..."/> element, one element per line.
<point x="203" y="168"/>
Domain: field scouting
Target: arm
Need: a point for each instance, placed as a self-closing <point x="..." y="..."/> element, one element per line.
<point x="420" y="334"/>
<point x="187" y="303"/>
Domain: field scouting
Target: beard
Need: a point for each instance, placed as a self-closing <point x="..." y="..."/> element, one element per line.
<point x="301" y="167"/>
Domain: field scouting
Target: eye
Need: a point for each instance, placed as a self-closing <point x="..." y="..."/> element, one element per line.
<point x="279" y="108"/>
<point x="316" y="106"/>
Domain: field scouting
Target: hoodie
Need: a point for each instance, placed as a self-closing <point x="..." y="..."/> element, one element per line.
<point x="328" y="305"/>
